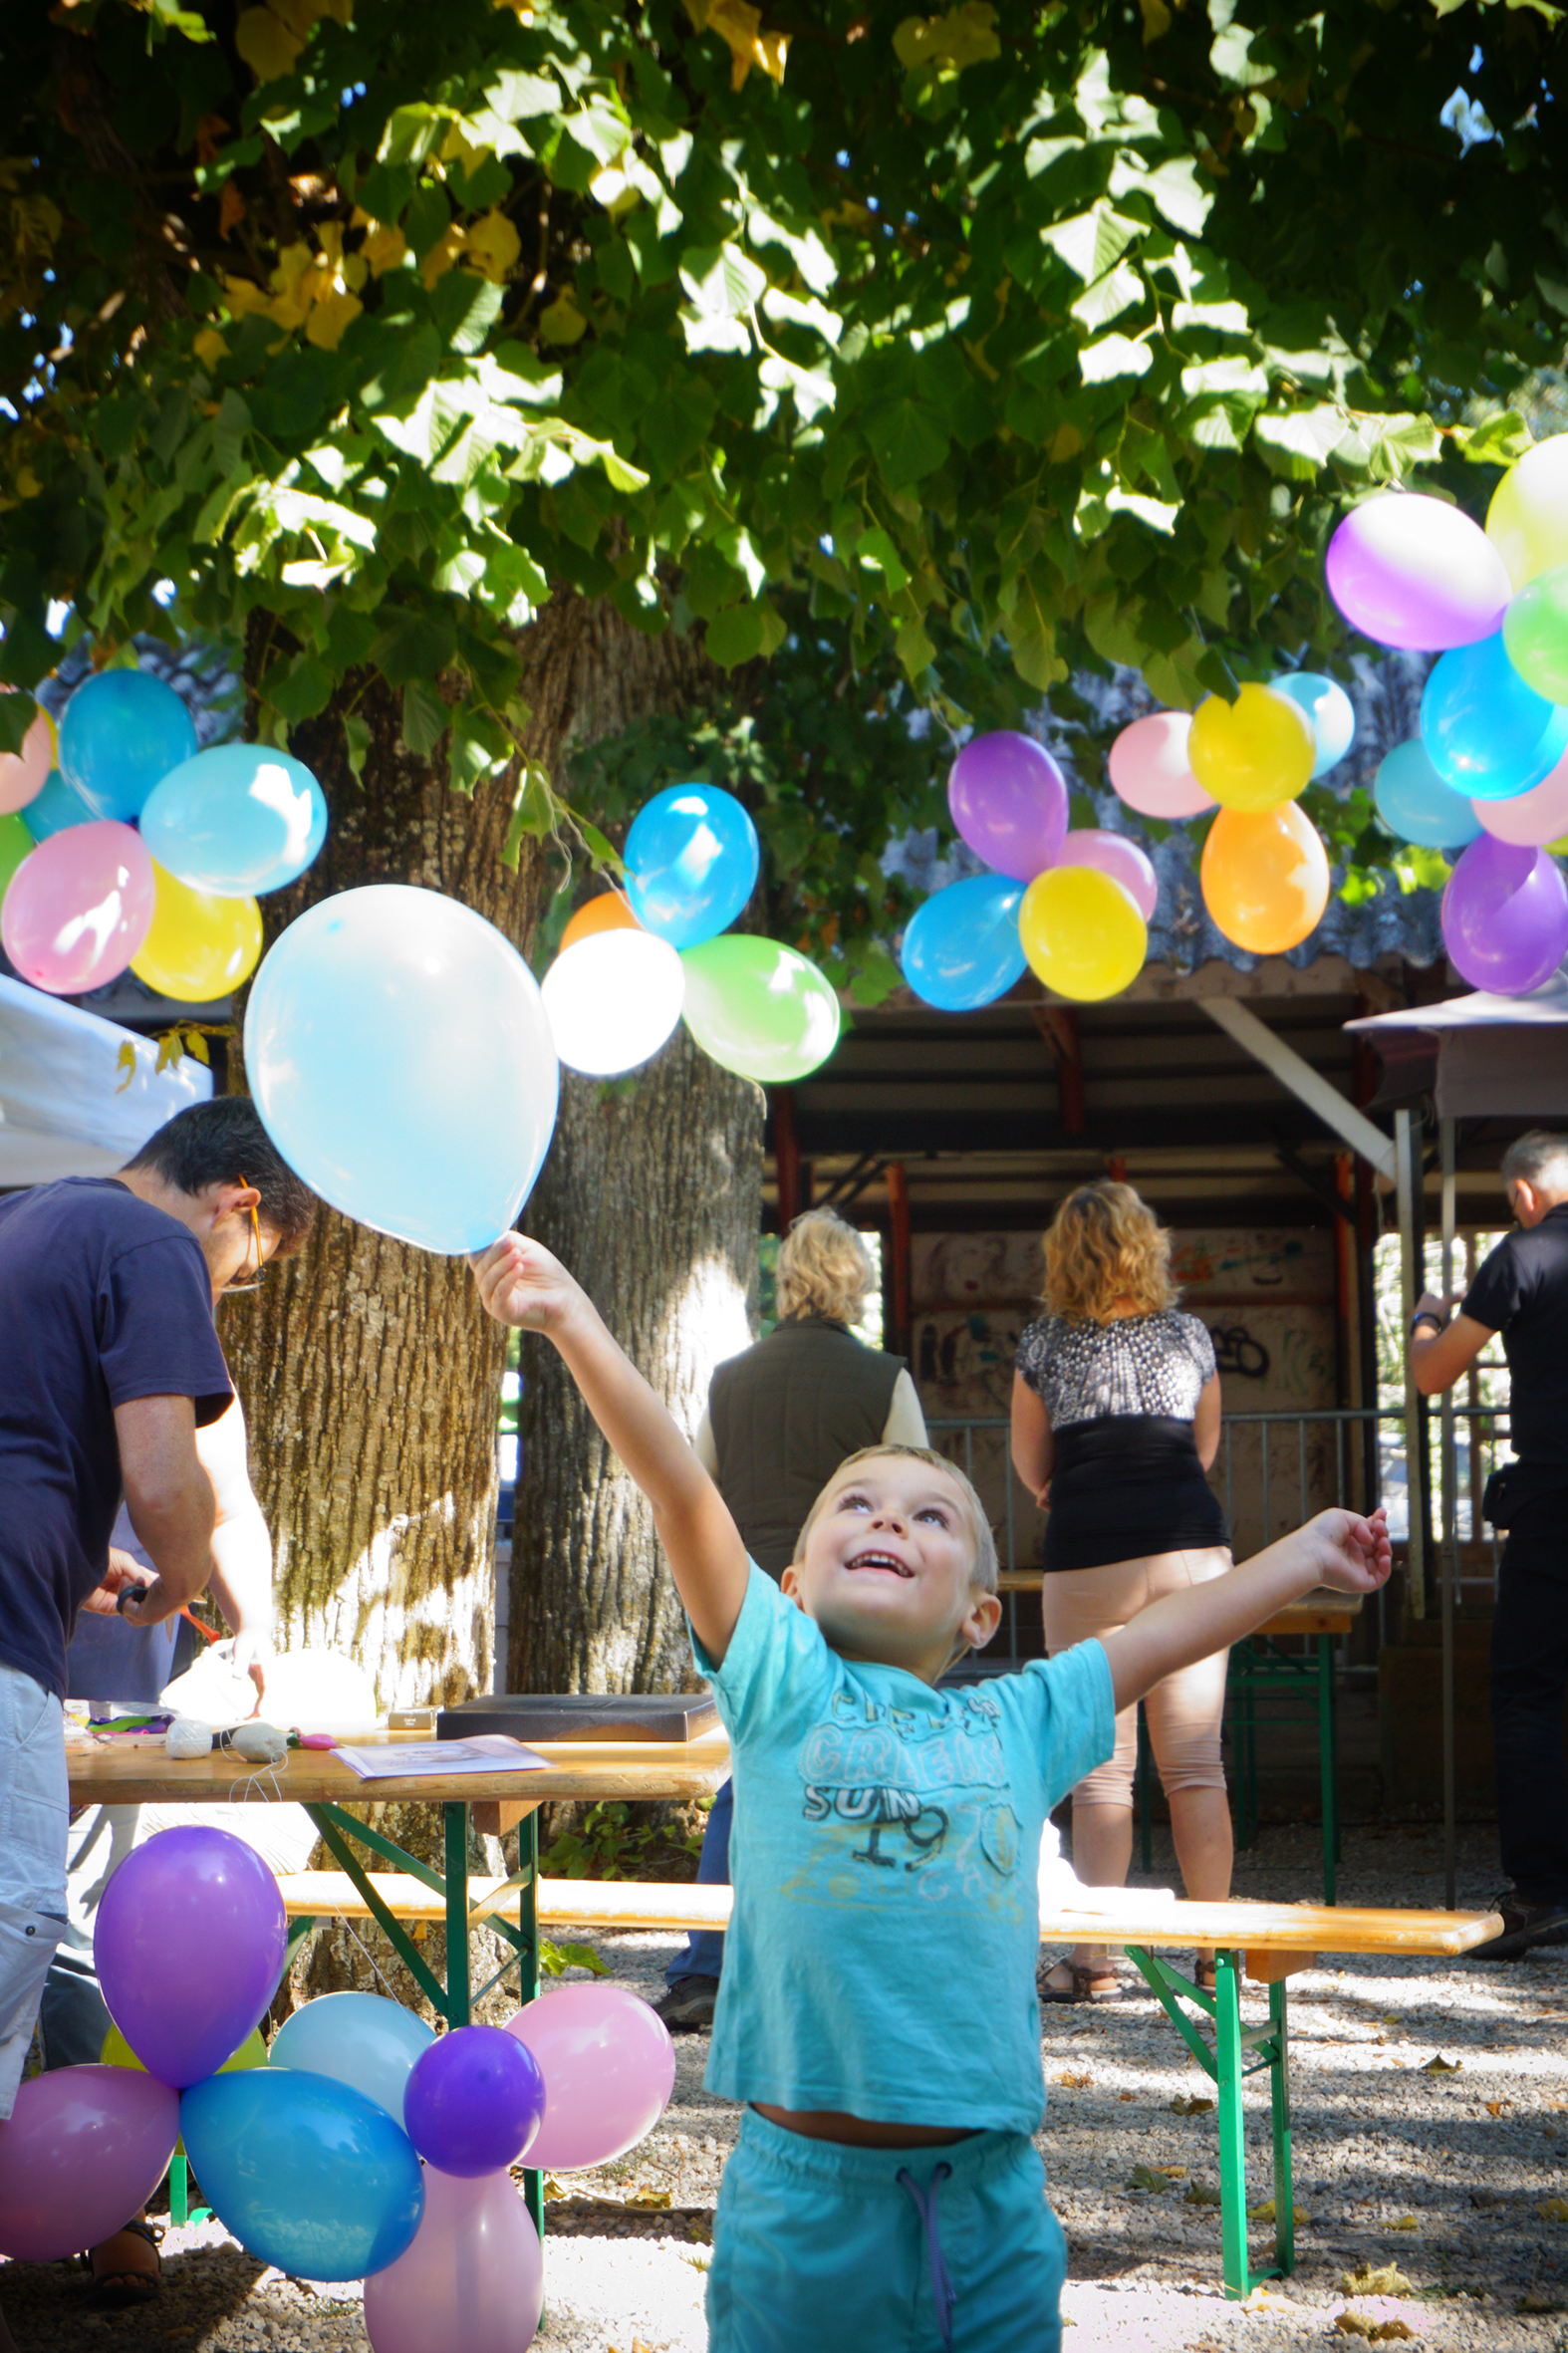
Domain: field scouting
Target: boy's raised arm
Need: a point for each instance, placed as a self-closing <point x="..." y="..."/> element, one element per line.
<point x="521" y="1285"/>
<point x="1338" y="1549"/>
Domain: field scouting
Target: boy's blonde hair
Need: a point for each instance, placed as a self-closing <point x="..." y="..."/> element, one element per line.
<point x="985" y="1571"/>
<point x="824" y="1268"/>
<point x="1104" y="1246"/>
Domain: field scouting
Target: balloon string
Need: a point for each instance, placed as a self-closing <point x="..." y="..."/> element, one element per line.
<point x="345" y="1921"/>
<point x="247" y="1783"/>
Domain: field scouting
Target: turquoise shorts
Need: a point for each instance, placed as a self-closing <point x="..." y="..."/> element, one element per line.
<point x="820" y="2249"/>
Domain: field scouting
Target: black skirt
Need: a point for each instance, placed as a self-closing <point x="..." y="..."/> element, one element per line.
<point x="1125" y="1485"/>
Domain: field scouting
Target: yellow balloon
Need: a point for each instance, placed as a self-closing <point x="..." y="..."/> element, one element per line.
<point x="1265" y="878"/>
<point x="252" y="2052"/>
<point x="199" y="947"/>
<point x="1527" y="521"/>
<point x="1252" y="754"/>
<point x="1082" y="932"/>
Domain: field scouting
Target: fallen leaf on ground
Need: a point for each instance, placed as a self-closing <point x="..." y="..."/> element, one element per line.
<point x="1192" y="2107"/>
<point x="1438" y="2065"/>
<point x="1144" y="2177"/>
<point x="1266" y="2213"/>
<point x="1375" y="2332"/>
<point x="1126" y="2096"/>
<point x="1077" y="2079"/>
<point x="1539" y="2299"/>
<point x="1405" y="2223"/>
<point x="1386" y="2280"/>
<point x="1553" y="2210"/>
<point x="1495" y="2107"/>
<point x="1202" y="2194"/>
<point x="651" y="2197"/>
<point x="1173" y="2173"/>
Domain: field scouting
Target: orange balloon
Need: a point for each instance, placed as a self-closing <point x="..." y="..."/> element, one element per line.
<point x="1265" y="878"/>
<point x="610" y="912"/>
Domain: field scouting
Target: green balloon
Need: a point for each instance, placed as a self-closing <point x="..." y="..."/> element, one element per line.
<point x="1535" y="634"/>
<point x="15" y="842"/>
<point x="759" y="1008"/>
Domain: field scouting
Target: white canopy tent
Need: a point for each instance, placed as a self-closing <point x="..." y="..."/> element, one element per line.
<point x="65" y="1107"/>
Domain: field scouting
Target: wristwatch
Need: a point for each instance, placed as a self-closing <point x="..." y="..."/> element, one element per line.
<point x="1427" y="1315"/>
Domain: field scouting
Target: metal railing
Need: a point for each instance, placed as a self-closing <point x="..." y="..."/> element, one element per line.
<point x="1280" y="1498"/>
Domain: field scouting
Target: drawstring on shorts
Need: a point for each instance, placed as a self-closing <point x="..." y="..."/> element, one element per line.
<point x="924" y="2204"/>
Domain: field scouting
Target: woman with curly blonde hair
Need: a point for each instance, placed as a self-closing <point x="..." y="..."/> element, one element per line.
<point x="1115" y="1421"/>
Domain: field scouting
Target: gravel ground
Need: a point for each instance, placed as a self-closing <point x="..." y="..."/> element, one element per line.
<point x="1454" y="2176"/>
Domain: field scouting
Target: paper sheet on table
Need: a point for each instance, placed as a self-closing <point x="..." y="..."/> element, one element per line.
<point x="486" y="1753"/>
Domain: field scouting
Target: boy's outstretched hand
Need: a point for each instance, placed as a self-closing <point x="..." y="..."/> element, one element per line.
<point x="1351" y="1553"/>
<point x="522" y="1285"/>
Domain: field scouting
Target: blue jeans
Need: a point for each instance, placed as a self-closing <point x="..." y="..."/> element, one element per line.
<point x="703" y="1955"/>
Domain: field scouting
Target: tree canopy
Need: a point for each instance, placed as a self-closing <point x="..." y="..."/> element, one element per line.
<point x="1055" y="333"/>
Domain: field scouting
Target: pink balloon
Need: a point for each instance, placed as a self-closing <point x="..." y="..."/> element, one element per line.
<point x="85" y="2146"/>
<point x="1149" y="769"/>
<point x="1008" y="799"/>
<point x="1529" y="819"/>
<point x="24" y="774"/>
<point x="1114" y="854"/>
<point x="79" y="907"/>
<point x="472" y="2277"/>
<point x="609" y="2067"/>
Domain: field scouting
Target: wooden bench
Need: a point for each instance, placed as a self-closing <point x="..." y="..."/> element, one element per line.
<point x="1266" y="1942"/>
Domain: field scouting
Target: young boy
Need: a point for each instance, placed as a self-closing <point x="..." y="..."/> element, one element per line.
<point x="878" y="2019"/>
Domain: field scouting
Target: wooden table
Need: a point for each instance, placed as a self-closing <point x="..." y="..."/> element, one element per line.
<point x="123" y="1771"/>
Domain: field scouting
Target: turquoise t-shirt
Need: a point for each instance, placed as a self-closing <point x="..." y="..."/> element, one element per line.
<point x="881" y="1955"/>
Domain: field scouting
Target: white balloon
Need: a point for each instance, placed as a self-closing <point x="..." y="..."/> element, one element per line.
<point x="613" y="999"/>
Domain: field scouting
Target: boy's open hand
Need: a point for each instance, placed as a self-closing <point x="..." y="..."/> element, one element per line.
<point x="522" y="1285"/>
<point x="1352" y="1554"/>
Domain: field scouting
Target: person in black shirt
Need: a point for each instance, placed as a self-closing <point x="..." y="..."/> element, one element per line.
<point x="109" y="1366"/>
<point x="1521" y="1291"/>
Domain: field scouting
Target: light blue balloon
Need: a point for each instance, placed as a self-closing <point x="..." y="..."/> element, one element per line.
<point x="399" y="1055"/>
<point x="360" y="2039"/>
<point x="1415" y="803"/>
<point x="692" y="863"/>
<point x="123" y="730"/>
<point x="1486" y="733"/>
<point x="238" y="820"/>
<point x="961" y="950"/>
<point x="1329" y="714"/>
<point x="307" y="2174"/>
<point x="58" y="806"/>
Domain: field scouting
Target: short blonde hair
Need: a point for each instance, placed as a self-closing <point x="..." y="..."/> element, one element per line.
<point x="1106" y="1246"/>
<point x="985" y="1570"/>
<point x="824" y="1268"/>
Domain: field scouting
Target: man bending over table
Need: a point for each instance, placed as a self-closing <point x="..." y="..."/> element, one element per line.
<point x="108" y="1367"/>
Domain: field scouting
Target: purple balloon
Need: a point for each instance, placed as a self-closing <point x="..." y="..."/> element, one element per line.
<point x="85" y="2146"/>
<point x="1114" y="854"/>
<point x="1506" y="916"/>
<point x="1417" y="573"/>
<point x="189" y="1948"/>
<point x="1009" y="802"/>
<point x="473" y="2101"/>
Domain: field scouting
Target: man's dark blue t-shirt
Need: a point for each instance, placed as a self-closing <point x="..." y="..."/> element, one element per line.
<point x="1522" y="1290"/>
<point x="103" y="1299"/>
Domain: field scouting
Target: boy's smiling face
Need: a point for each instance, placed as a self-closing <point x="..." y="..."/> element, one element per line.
<point x="888" y="1568"/>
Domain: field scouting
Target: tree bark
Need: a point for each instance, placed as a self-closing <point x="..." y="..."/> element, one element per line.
<point x="652" y="1195"/>
<point x="371" y="1380"/>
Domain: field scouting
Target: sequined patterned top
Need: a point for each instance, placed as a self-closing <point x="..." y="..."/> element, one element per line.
<point x="1136" y="1363"/>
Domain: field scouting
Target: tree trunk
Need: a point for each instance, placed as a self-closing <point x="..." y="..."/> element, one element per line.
<point x="652" y="1195"/>
<point x="369" y="1379"/>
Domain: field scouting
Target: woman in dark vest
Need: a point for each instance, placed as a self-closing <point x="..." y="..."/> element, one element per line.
<point x="1115" y="1421"/>
<point x="780" y="1421"/>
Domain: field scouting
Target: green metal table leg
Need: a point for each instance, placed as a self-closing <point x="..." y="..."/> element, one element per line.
<point x="528" y="1976"/>
<point x="455" y="1820"/>
<point x="1233" y="2140"/>
<point x="1279" y="2091"/>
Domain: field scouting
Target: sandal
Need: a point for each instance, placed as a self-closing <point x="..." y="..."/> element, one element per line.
<point x="1205" y="1974"/>
<point x="118" y="2291"/>
<point x="1083" y="1985"/>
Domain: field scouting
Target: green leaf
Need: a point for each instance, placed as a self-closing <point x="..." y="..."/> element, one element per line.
<point x="465" y="307"/>
<point x="357" y="744"/>
<point x="743" y="634"/>
<point x="1500" y="440"/>
<point x="1031" y="639"/>
<point x="414" y="133"/>
<point x="1300" y="443"/>
<point x="914" y="648"/>
<point x="874" y="552"/>
<point x="17" y="713"/>
<point x="425" y="717"/>
<point x="1108" y="296"/>
<point x="721" y="281"/>
<point x="125" y="1060"/>
<point x="1113" y="356"/>
<point x="907" y="440"/>
<point x="518" y="97"/>
<point x="302" y="690"/>
<point x="1093" y="241"/>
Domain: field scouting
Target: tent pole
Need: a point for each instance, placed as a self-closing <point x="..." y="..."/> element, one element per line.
<point x="1407" y="1160"/>
<point x="1451" y="1527"/>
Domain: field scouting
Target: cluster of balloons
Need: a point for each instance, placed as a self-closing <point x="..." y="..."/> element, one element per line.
<point x="359" y="2147"/>
<point x="633" y="964"/>
<point x="1075" y="905"/>
<point x="1487" y="776"/>
<point x="121" y="844"/>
